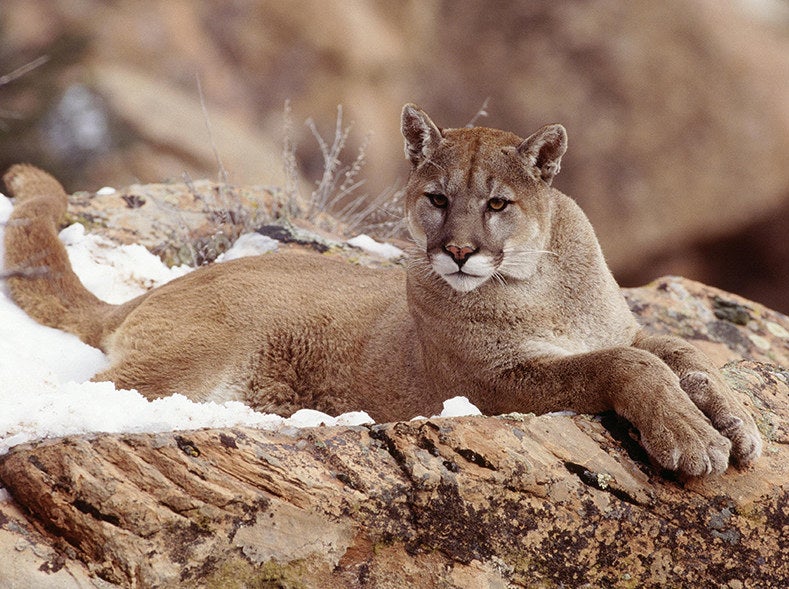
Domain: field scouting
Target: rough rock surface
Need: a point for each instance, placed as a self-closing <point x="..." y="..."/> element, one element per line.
<point x="192" y="223"/>
<point x="177" y="221"/>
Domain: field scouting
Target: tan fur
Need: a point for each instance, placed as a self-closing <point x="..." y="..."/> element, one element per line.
<point x="506" y="299"/>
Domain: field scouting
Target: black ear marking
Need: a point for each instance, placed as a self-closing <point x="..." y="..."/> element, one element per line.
<point x="421" y="135"/>
<point x="544" y="150"/>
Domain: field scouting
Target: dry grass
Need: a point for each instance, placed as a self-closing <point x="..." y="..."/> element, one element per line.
<point x="336" y="203"/>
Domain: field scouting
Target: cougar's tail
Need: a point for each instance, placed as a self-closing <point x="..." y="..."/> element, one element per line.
<point x="39" y="274"/>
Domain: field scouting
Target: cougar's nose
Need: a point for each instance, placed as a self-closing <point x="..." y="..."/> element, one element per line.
<point x="459" y="253"/>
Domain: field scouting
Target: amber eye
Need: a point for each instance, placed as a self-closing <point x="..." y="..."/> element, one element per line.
<point x="438" y="200"/>
<point x="497" y="204"/>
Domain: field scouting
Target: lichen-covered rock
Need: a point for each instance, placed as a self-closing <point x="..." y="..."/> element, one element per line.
<point x="726" y="326"/>
<point x="517" y="500"/>
<point x="193" y="223"/>
<point x="30" y="558"/>
<point x="183" y="223"/>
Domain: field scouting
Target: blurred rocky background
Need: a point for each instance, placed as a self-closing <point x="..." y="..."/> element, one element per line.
<point x="677" y="111"/>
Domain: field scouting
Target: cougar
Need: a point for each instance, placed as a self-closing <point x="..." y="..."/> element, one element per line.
<point x="506" y="299"/>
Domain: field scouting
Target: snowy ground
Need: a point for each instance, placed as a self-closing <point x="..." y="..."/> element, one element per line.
<point x="45" y="388"/>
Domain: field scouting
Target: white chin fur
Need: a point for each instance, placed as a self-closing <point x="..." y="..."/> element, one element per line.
<point x="464" y="282"/>
<point x="476" y="271"/>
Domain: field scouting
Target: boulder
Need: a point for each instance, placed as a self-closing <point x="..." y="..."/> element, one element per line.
<point x="513" y="500"/>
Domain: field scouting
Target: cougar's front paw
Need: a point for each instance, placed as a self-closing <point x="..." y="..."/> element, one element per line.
<point x="726" y="415"/>
<point x="686" y="444"/>
<point x="746" y="443"/>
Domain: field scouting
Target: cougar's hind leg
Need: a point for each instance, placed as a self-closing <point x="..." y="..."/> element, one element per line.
<point x="154" y="381"/>
<point x="705" y="386"/>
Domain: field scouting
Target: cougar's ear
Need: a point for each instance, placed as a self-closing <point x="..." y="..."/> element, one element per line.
<point x="421" y="134"/>
<point x="544" y="150"/>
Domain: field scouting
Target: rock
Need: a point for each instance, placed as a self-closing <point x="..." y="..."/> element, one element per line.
<point x="31" y="560"/>
<point x="726" y="326"/>
<point x="515" y="500"/>
<point x="182" y="223"/>
<point x="192" y="223"/>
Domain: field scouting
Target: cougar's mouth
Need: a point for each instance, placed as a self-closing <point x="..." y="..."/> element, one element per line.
<point x="466" y="277"/>
<point x="463" y="281"/>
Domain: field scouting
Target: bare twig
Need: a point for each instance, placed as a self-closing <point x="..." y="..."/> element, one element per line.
<point x="482" y="112"/>
<point x="382" y="216"/>
<point x="326" y="186"/>
<point x="220" y="166"/>
<point x="350" y="183"/>
<point x="290" y="206"/>
<point x="25" y="273"/>
<point x="223" y="204"/>
<point x="21" y="71"/>
<point x="18" y="73"/>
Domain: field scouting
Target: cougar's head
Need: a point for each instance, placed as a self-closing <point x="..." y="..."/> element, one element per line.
<point x="477" y="199"/>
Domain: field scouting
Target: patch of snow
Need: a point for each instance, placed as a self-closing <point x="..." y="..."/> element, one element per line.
<point x="35" y="357"/>
<point x="4" y="495"/>
<point x="249" y="244"/>
<point x="561" y="413"/>
<point x="369" y="245"/>
<point x="312" y="418"/>
<point x="106" y="191"/>
<point x="353" y="418"/>
<point x="5" y="207"/>
<point x="459" y="407"/>
<point x="89" y="407"/>
<point x="115" y="273"/>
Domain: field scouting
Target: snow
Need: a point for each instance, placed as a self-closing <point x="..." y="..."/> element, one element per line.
<point x="369" y="245"/>
<point x="459" y="407"/>
<point x="454" y="407"/>
<point x="45" y="387"/>
<point x="115" y="273"/>
<point x="312" y="418"/>
<point x="249" y="244"/>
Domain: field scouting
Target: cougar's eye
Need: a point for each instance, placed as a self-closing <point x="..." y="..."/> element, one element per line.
<point x="438" y="200"/>
<point x="497" y="204"/>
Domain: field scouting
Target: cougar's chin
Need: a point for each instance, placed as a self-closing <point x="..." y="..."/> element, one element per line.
<point x="462" y="282"/>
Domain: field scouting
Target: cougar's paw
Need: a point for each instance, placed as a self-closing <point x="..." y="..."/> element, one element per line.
<point x="726" y="415"/>
<point x="745" y="439"/>
<point x="687" y="444"/>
